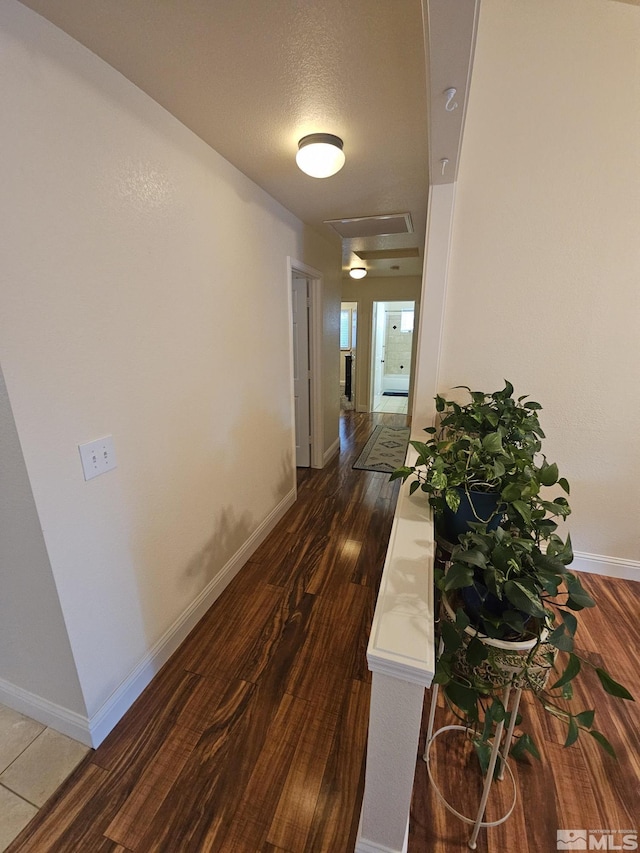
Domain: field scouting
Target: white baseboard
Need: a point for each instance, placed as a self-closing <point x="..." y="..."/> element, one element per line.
<point x="331" y="451"/>
<point x="611" y="567"/>
<point x="93" y="731"/>
<point x="48" y="713"/>
<point x="121" y="700"/>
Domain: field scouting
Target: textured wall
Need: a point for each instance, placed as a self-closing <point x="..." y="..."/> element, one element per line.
<point x="545" y="262"/>
<point x="145" y="296"/>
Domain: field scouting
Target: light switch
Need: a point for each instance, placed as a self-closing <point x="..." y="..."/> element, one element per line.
<point x="97" y="456"/>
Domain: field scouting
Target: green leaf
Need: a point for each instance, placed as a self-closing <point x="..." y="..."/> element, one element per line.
<point x="443" y="672"/>
<point x="572" y="669"/>
<point x="511" y="493"/>
<point x="523" y="745"/>
<point x="604" y="743"/>
<point x="492" y="443"/>
<point x="611" y="686"/>
<point x="452" y="497"/>
<point x="585" y="719"/>
<point x="523" y="598"/>
<point x="577" y="594"/>
<point x="452" y="640"/>
<point x="473" y="557"/>
<point x="438" y="480"/>
<point x="570" y="621"/>
<point x="523" y="509"/>
<point x="561" y="640"/>
<point x="563" y="483"/>
<point x="483" y="751"/>
<point x="463" y="697"/>
<point x="573" y="732"/>
<point x="458" y="576"/>
<point x="414" y="486"/>
<point x="548" y="475"/>
<point x="462" y="620"/>
<point x="476" y="652"/>
<point x="514" y="620"/>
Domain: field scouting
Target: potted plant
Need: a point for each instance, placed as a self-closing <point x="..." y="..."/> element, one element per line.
<point x="480" y="465"/>
<point x="509" y="600"/>
<point x="532" y="615"/>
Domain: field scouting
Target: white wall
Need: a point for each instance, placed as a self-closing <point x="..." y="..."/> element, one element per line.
<point x="135" y="259"/>
<point x="545" y="260"/>
<point x="365" y="292"/>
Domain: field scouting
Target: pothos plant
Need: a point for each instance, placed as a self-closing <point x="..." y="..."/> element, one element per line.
<point x="529" y="593"/>
<point x="507" y="583"/>
<point x="491" y="445"/>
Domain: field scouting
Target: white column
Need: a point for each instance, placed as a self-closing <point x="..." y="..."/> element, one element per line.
<point x="401" y="655"/>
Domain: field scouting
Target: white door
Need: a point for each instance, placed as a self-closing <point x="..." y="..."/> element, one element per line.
<point x="377" y="354"/>
<point x="301" y="370"/>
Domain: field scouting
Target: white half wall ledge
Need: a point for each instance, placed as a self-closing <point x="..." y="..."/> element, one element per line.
<point x="401" y="656"/>
<point x="610" y="567"/>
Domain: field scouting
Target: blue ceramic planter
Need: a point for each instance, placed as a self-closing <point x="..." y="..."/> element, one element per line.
<point x="480" y="509"/>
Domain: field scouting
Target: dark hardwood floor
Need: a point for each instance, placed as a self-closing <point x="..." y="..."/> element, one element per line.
<point x="253" y="736"/>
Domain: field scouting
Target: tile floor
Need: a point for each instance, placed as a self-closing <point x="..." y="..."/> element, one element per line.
<point x="397" y="405"/>
<point x="34" y="761"/>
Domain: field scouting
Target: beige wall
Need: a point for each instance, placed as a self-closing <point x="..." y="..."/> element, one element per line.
<point x="365" y="292"/>
<point x="545" y="262"/>
<point x="135" y="259"/>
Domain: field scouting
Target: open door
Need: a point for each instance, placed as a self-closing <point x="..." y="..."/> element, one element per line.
<point x="301" y="369"/>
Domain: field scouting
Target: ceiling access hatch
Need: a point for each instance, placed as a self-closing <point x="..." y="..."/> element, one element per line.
<point x="372" y="226"/>
<point x="387" y="254"/>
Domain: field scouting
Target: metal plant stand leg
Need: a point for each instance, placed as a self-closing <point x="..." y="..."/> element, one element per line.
<point x="489" y="777"/>
<point x="477" y="823"/>
<point x="509" y="738"/>
<point x="432" y="708"/>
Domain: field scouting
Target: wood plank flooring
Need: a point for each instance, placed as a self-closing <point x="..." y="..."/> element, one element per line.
<point x="253" y="736"/>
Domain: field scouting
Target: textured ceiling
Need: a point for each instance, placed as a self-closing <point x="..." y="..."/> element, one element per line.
<point x="251" y="77"/>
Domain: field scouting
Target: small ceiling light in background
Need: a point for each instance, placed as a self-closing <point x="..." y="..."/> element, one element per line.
<point x="357" y="272"/>
<point x="320" y="155"/>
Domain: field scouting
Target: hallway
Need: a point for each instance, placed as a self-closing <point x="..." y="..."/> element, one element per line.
<point x="252" y="738"/>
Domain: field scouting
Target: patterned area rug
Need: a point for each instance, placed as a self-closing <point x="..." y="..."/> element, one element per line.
<point x="385" y="449"/>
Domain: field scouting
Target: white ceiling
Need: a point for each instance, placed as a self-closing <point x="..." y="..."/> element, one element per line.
<point x="251" y="77"/>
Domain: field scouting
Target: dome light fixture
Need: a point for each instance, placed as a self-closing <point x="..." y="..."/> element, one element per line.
<point x="320" y="155"/>
<point x="357" y="272"/>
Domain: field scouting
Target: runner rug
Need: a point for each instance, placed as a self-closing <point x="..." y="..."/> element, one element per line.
<point x="385" y="449"/>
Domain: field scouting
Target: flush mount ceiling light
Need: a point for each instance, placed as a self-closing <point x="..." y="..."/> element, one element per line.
<point x="320" y="155"/>
<point x="357" y="272"/>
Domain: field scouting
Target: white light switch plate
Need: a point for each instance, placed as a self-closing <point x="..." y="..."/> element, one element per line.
<point x="97" y="456"/>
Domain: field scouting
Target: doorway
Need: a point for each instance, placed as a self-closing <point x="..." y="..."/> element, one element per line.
<point x="348" y="342"/>
<point x="391" y="356"/>
<point x="305" y="288"/>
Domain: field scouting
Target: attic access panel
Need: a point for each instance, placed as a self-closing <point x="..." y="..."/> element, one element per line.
<point x="372" y="226"/>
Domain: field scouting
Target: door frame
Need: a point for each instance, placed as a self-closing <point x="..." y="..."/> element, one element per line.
<point x="314" y="277"/>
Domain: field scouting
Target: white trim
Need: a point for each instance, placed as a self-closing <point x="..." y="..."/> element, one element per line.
<point x="332" y="451"/>
<point x="435" y="273"/>
<point x="315" y="355"/>
<point x="611" y="567"/>
<point x="48" y="713"/>
<point x="92" y="732"/>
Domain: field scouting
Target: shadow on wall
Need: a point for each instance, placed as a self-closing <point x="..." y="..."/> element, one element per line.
<point x="205" y="509"/>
